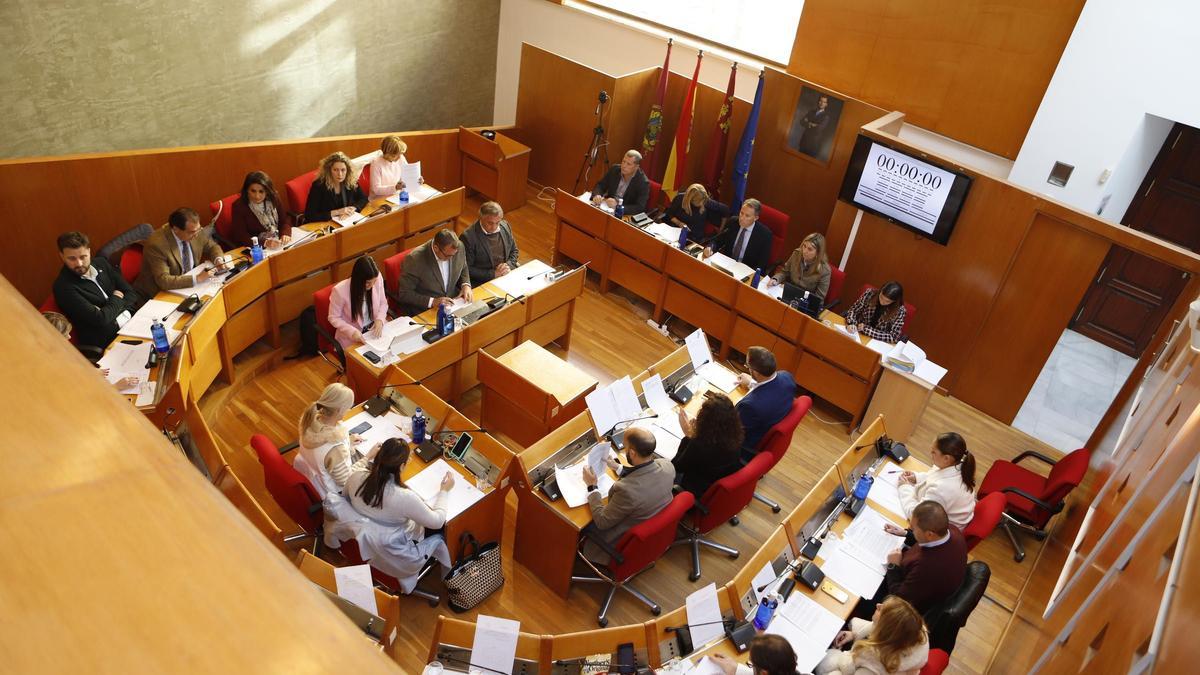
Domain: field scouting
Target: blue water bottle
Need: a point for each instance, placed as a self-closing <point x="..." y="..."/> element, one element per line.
<point x="757" y="277"/>
<point x="863" y="487"/>
<point x="766" y="612"/>
<point x="418" y="426"/>
<point x="620" y="210"/>
<point x="403" y="196"/>
<point x="159" y="333"/>
<point x="256" y="252"/>
<point x="683" y="238"/>
<point x="445" y="324"/>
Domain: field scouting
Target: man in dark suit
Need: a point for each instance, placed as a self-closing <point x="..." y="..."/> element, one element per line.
<point x="744" y="239"/>
<point x="642" y="490"/>
<point x="771" y="394"/>
<point x="625" y="181"/>
<point x="490" y="246"/>
<point x="931" y="570"/>
<point x="434" y="273"/>
<point x="90" y="293"/>
<point x="173" y="251"/>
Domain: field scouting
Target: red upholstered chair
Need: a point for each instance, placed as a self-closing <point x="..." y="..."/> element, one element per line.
<point x="721" y="503"/>
<point x="364" y="179"/>
<point x="837" y="279"/>
<point x="353" y="556"/>
<point x="636" y="551"/>
<point x="654" y="204"/>
<point x="131" y="263"/>
<point x="291" y="490"/>
<point x="778" y="222"/>
<point x="224" y="224"/>
<point x="778" y="439"/>
<point x="937" y="663"/>
<point x="988" y="512"/>
<point x="297" y="194"/>
<point x="909" y="309"/>
<point x="392" y="269"/>
<point x="1032" y="499"/>
<point x="326" y="342"/>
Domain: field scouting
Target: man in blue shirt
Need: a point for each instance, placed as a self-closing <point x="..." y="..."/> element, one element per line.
<point x="770" y="397"/>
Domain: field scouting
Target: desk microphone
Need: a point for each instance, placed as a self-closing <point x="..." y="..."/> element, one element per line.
<point x="383" y="209"/>
<point x="238" y="266"/>
<point x="469" y="664"/>
<point x="377" y="404"/>
<point x="864" y="445"/>
<point x="615" y="437"/>
<point x="514" y="298"/>
<point x="787" y="569"/>
<point x="684" y="633"/>
<point x="535" y="275"/>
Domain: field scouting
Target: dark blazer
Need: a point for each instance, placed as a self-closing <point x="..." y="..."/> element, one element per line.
<point x="162" y="270"/>
<point x="479" y="257"/>
<point x="927" y="576"/>
<point x="322" y="200"/>
<point x="421" y="282"/>
<point x="758" y="250"/>
<point x="246" y="225"/>
<point x="700" y="462"/>
<point x="698" y="222"/>
<point x="765" y="405"/>
<point x="93" y="316"/>
<point x="636" y="194"/>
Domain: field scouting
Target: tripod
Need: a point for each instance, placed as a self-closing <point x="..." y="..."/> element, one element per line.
<point x="598" y="146"/>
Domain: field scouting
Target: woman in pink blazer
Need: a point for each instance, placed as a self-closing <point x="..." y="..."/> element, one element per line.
<point x="358" y="305"/>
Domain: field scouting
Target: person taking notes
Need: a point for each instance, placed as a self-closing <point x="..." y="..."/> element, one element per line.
<point x="807" y="267"/>
<point x="642" y="489"/>
<point x="951" y="481"/>
<point x="434" y="273"/>
<point x="770" y="397"/>
<point x="173" y="251"/>
<point x="625" y="181"/>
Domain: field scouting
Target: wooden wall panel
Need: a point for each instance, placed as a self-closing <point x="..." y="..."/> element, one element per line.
<point x="975" y="71"/>
<point x="105" y="194"/>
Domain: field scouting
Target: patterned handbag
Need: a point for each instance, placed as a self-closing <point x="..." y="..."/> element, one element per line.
<point x="476" y="576"/>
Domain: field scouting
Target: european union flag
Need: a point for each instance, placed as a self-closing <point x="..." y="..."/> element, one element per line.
<point x="741" y="161"/>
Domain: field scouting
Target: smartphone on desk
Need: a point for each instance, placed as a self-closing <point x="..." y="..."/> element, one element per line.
<point x="460" y="447"/>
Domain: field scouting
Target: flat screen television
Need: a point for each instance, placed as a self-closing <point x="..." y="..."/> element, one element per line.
<point x="910" y="192"/>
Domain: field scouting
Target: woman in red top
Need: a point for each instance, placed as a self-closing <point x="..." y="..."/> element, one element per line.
<point x="259" y="213"/>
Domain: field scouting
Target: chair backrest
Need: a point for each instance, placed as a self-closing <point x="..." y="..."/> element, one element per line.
<point x="778" y="438"/>
<point x="364" y="179"/>
<point x="292" y="491"/>
<point x="224" y="224"/>
<point x="1065" y="475"/>
<point x="937" y="662"/>
<point x="131" y="262"/>
<point x="727" y="497"/>
<point x="988" y="512"/>
<point x="655" y="196"/>
<point x="837" y="278"/>
<point x="909" y="309"/>
<point x="645" y="542"/>
<point x="393" y="266"/>
<point x="321" y="303"/>
<point x="297" y="191"/>
<point x="947" y="618"/>
<point x="778" y="222"/>
<point x="112" y="250"/>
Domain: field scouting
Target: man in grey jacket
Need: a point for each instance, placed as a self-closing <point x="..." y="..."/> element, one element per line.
<point x="490" y="246"/>
<point x="642" y="490"/>
<point x="433" y="274"/>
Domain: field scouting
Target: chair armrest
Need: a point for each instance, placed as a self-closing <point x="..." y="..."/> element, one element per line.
<point x="1041" y="504"/>
<point x="315" y="508"/>
<point x="337" y="346"/>
<point x="701" y="508"/>
<point x="587" y="533"/>
<point x="289" y="447"/>
<point x="1035" y="455"/>
<point x="833" y="304"/>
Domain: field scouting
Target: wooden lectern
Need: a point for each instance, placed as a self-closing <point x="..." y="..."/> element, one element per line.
<point x="498" y="169"/>
<point x="529" y="392"/>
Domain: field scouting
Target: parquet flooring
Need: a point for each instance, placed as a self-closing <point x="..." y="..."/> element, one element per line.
<point x="610" y="340"/>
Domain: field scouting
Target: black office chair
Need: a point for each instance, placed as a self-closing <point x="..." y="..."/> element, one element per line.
<point x="112" y="250"/>
<point x="945" y="620"/>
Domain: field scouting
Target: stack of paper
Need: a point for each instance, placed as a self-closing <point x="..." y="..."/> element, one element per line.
<point x="667" y="432"/>
<point x="139" y="325"/>
<point x="879" y="346"/>
<point x="397" y="328"/>
<point x="354" y="584"/>
<point x="124" y="361"/>
<point x="867" y="535"/>
<point x="718" y="376"/>
<point x="418" y="194"/>
<point x="844" y="565"/>
<point x="808" y="627"/>
<point x="495" y="645"/>
<point x="775" y="291"/>
<point x="427" y="483"/>
<point x="390" y="425"/>
<point x="347" y="221"/>
<point x="570" y="479"/>
<point x="612" y="405"/>
<point x="664" y="232"/>
<point x="704" y="616"/>
<point x="524" y="280"/>
<point x="207" y="288"/>
<point x="884" y="491"/>
<point x="737" y="270"/>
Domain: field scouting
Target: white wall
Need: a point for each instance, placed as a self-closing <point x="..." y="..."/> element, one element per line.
<point x="598" y="43"/>
<point x="1147" y="140"/>
<point x="1125" y="59"/>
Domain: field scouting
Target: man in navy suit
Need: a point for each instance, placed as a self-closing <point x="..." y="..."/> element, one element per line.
<point x="770" y="397"/>
<point x="744" y="238"/>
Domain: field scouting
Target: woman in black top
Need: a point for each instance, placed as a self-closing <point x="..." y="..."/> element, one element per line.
<point x="335" y="191"/>
<point x="879" y="313"/>
<point x="690" y="209"/>
<point x="711" y="444"/>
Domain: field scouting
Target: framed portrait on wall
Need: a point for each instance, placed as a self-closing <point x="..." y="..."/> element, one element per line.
<point x="814" y="124"/>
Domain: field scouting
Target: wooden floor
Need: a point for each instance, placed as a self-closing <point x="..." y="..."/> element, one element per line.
<point x="610" y="340"/>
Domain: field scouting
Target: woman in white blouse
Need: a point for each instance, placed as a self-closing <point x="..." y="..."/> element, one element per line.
<point x="951" y="481"/>
<point x="392" y="535"/>
<point x="325" y="457"/>
<point x="385" y="169"/>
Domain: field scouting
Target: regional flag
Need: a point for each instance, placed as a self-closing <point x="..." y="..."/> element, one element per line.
<point x="654" y="124"/>
<point x="741" y="162"/>
<point x="714" y="161"/>
<point x="675" y="177"/>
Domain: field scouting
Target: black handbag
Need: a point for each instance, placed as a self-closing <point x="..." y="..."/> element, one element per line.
<point x="476" y="576"/>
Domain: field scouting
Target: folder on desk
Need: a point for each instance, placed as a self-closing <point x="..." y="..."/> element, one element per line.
<point x="733" y="268"/>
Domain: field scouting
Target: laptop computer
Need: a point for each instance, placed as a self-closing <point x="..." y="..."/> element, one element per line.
<point x="794" y="296"/>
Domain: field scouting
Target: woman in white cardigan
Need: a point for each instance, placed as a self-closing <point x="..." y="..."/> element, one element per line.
<point x="951" y="481"/>
<point x="325" y="458"/>
<point x="893" y="642"/>
<point x="391" y="534"/>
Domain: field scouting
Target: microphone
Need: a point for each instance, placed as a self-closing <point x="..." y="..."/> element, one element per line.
<point x="515" y="298"/>
<point x="469" y="664"/>
<point x="414" y="322"/>
<point x="617" y="438"/>
<point x="383" y="209"/>
<point x="538" y="274"/>
<point x="864" y="445"/>
<point x="238" y="266"/>
<point x="790" y="567"/>
<point x="377" y="404"/>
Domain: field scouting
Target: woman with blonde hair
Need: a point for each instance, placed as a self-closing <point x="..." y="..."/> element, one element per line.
<point x="335" y="192"/>
<point x="807" y="267"/>
<point x="325" y="456"/>
<point x="690" y="209"/>
<point x="893" y="642"/>
<point x="385" y="169"/>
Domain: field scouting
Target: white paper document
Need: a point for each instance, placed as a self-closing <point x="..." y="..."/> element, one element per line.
<point x="852" y="574"/>
<point x="625" y="398"/>
<point x="410" y="175"/>
<point x="930" y="372"/>
<point x="495" y="644"/>
<point x="603" y="409"/>
<point x="139" y="325"/>
<point x="401" y="329"/>
<point x="416" y="195"/>
<point x="664" y="232"/>
<point x="739" y="271"/>
<point x="347" y="221"/>
<point x="390" y="425"/>
<point x="879" y="346"/>
<point x="808" y="652"/>
<point x="718" y="376"/>
<point x="123" y="361"/>
<point x="698" y="350"/>
<point x="886" y="496"/>
<point x="656" y="397"/>
<point x="706" y="666"/>
<point x="145" y="395"/>
<point x="867" y="534"/>
<point x="209" y="287"/>
<point x="704" y="616"/>
<point x="808" y="627"/>
<point x="766" y="575"/>
<point x="524" y="280"/>
<point x="666" y="444"/>
<point x="765" y="286"/>
<point x="354" y="584"/>
<point x="574" y="490"/>
<point x="429" y="481"/>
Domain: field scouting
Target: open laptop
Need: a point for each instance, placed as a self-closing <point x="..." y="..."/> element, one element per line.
<point x="794" y="296"/>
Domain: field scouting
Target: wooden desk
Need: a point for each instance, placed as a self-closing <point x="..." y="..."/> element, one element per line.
<point x="902" y="398"/>
<point x="528" y="392"/>
<point x="824" y="361"/>
<point x="449" y="366"/>
<point x="321" y="573"/>
<point x="453" y="639"/>
<point x="498" y="169"/>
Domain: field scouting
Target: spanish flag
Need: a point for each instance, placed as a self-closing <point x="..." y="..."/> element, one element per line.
<point x="654" y="124"/>
<point x="675" y="177"/>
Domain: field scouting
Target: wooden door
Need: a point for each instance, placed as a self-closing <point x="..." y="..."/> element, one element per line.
<point x="1132" y="293"/>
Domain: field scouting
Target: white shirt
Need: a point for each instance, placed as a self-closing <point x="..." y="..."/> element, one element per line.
<point x="755" y="383"/>
<point x="945" y="487"/>
<point x="92" y="275"/>
<point x="444" y="268"/>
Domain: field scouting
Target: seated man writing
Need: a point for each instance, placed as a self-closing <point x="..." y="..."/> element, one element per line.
<point x="642" y="489"/>
<point x="433" y="274"/>
<point x="173" y="251"/>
